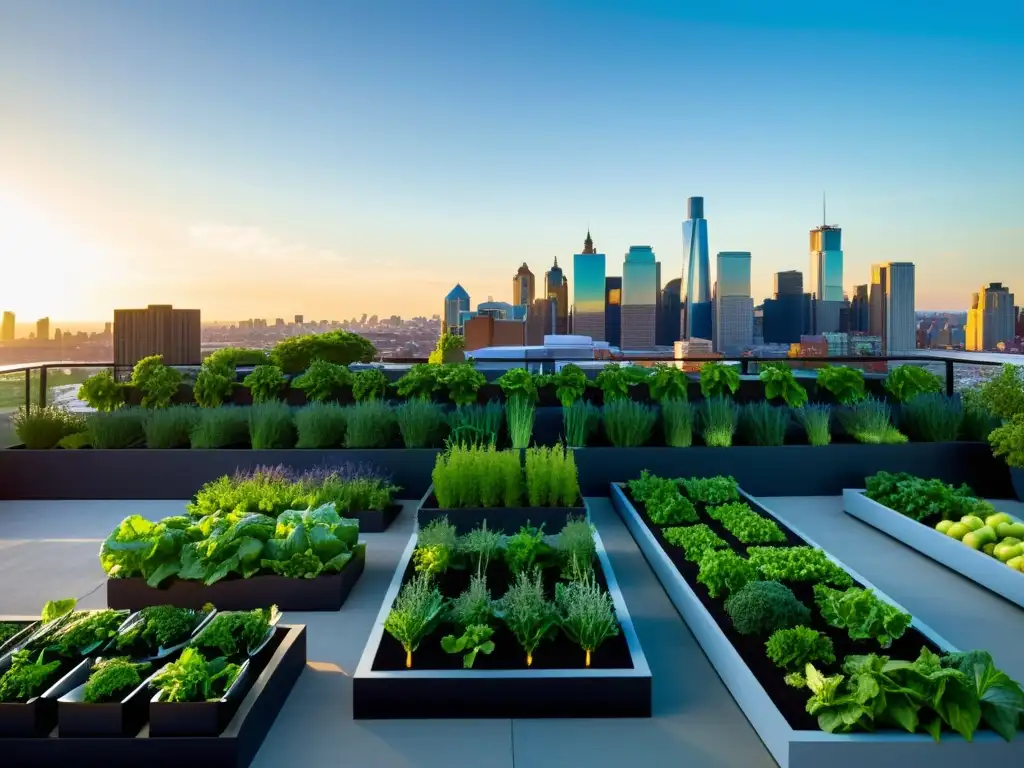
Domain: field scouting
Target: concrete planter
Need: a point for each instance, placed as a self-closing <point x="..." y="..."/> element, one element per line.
<point x="504" y="693"/>
<point x="980" y="568"/>
<point x="790" y="747"/>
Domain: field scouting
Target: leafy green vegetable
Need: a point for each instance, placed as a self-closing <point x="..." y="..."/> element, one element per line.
<point x="112" y="679"/>
<point x="712" y="491"/>
<point x="668" y="383"/>
<point x="724" y="571"/>
<point x="797" y="564"/>
<point x="570" y="384"/>
<point x="415" y="614"/>
<point x="716" y="379"/>
<point x="235" y="634"/>
<point x="796" y="647"/>
<point x="745" y="524"/>
<point x="780" y="382"/>
<point x="8" y="630"/>
<point x="159" y="626"/>
<point x="524" y="548"/>
<point x="475" y="639"/>
<point x="669" y="507"/>
<point x="576" y="549"/>
<point x="193" y="678"/>
<point x="27" y="676"/>
<point x="1001" y="698"/>
<point x="762" y="607"/>
<point x="906" y="382"/>
<point x="85" y="632"/>
<point x="845" y="384"/>
<point x="54" y="609"/>
<point x="921" y="499"/>
<point x="861" y="614"/>
<point x="696" y="540"/>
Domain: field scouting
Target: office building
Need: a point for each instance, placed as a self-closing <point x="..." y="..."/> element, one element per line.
<point x="541" y="321"/>
<point x="696" y="320"/>
<point x="992" y="319"/>
<point x="892" y="306"/>
<point x="557" y="292"/>
<point x="524" y="291"/>
<point x="1019" y="322"/>
<point x="734" y="308"/>
<point x="670" y="314"/>
<point x="828" y="315"/>
<point x="789" y="315"/>
<point x="613" y="310"/>
<point x="588" y="269"/>
<point x="860" y="315"/>
<point x="157" y="330"/>
<point x="639" y="298"/>
<point x="487" y="330"/>
<point x="455" y="303"/>
<point x="826" y="277"/>
<point x="7" y="329"/>
<point x="299" y="319"/>
<point x="43" y="329"/>
<point x="789" y="283"/>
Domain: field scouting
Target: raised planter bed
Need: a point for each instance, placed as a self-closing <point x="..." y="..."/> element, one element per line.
<point x="118" y="718"/>
<point x="272" y="678"/>
<point x="617" y="685"/>
<point x="980" y="568"/>
<point x="799" y="470"/>
<point x="375" y="520"/>
<point x="176" y="474"/>
<point x="324" y="593"/>
<point x="792" y="737"/>
<point x="503" y="519"/>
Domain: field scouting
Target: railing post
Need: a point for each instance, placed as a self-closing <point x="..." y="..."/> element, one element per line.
<point x="42" y="386"/>
<point x="744" y="367"/>
<point x="28" y="390"/>
<point x="949" y="378"/>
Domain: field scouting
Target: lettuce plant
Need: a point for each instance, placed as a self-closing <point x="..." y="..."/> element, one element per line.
<point x="265" y="383"/>
<point x="420" y="381"/>
<point x="570" y="384"/>
<point x="792" y="649"/>
<point x="797" y="564"/>
<point x="518" y="382"/>
<point x="695" y="540"/>
<point x="102" y="392"/>
<point x="370" y="384"/>
<point x="158" y="382"/>
<point x="613" y="383"/>
<point x="745" y="524"/>
<point x="192" y="678"/>
<point x="322" y="380"/>
<point x="905" y="382"/>
<point x="668" y="383"/>
<point x="845" y="384"/>
<point x="475" y="639"/>
<point x="780" y="382"/>
<point x="723" y="572"/>
<point x="861" y="614"/>
<point x="712" y="491"/>
<point x="462" y="381"/>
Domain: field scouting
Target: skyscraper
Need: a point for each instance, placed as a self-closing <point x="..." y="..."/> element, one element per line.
<point x="588" y="292"/>
<point x="696" y="322"/>
<point x="860" y="315"/>
<point x="892" y="306"/>
<point x="991" y="319"/>
<point x="7" y="329"/>
<point x="734" y="308"/>
<point x="157" y="330"/>
<point x="670" y="314"/>
<point x="826" y="261"/>
<point x="789" y="283"/>
<point x="639" y="298"/>
<point x="557" y="291"/>
<point x="613" y="310"/>
<point x="43" y="329"/>
<point x="523" y="287"/>
<point x="455" y="303"/>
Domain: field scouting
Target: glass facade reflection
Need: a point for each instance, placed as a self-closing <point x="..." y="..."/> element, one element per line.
<point x="455" y="303"/>
<point x="613" y="310"/>
<point x="588" y="295"/>
<point x="696" y="272"/>
<point x="733" y="274"/>
<point x="827" y="263"/>
<point x="639" y="298"/>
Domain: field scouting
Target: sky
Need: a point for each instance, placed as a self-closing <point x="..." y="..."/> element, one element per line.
<point x="266" y="158"/>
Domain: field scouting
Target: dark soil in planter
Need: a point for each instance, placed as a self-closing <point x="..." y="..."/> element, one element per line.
<point x="558" y="653"/>
<point x="791" y="702"/>
<point x="240" y="395"/>
<point x="640" y="393"/>
<point x="489" y="392"/>
<point x="295" y="396"/>
<point x="547" y="397"/>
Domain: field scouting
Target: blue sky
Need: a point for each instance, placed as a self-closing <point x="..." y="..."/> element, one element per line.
<point x="267" y="158"/>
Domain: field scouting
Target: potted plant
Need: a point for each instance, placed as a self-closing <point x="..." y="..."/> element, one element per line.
<point x="449" y="349"/>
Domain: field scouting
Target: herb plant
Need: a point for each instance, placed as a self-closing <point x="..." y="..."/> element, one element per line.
<point x="978" y="421"/>
<point x="415" y="614"/>
<point x="817" y="423"/>
<point x="576" y="548"/>
<point x="420" y="382"/>
<point x="123" y="428"/>
<point x="44" y="428"/>
<point x="159" y="626"/>
<point x="474" y="605"/>
<point x="477" y="477"/>
<point x="265" y="383"/>
<point x="83" y="633"/>
<point x="213" y="384"/>
<point x="797" y="564"/>
<point x="627" y="423"/>
<point x="719" y="380"/>
<point x="518" y="382"/>
<point x="745" y="524"/>
<point x="581" y="421"/>
<point x="677" y="417"/>
<point x="869" y="421"/>
<point x="527" y="613"/>
<point x="612" y="382"/>
<point x="479" y="546"/>
<point x="695" y="540"/>
<point x="28" y="676"/>
<point x="475" y="639"/>
<point x="780" y="382"/>
<point x="320" y="425"/>
<point x="762" y="607"/>
<point x="462" y="381"/>
<point x="223" y="427"/>
<point x="719" y="418"/>
<point x="524" y="549"/>
<point x="905" y="382"/>
<point x="370" y="384"/>
<point x="170" y="427"/>
<point x="668" y="383"/>
<point x="763" y="424"/>
<point x="932" y="418"/>
<point x="295" y="354"/>
<point x="102" y="392"/>
<point x="476" y="424"/>
<point x="234" y="634"/>
<point x="449" y="349"/>
<point x="158" y="382"/>
<point x="1008" y="441"/>
<point x="586" y="613"/>
<point x="192" y="678"/>
<point x="435" y="546"/>
<point x="271" y="425"/>
<point x="520" y="412"/>
<point x="8" y="630"/>
<point x="723" y="572"/>
<point x="861" y="614"/>
<point x="792" y="649"/>
<point x="322" y="380"/>
<point x="1003" y="394"/>
<point x="552" y="479"/>
<point x="845" y="384"/>
<point x="369" y="424"/>
<point x="570" y="384"/>
<point x="111" y="680"/>
<point x="420" y="423"/>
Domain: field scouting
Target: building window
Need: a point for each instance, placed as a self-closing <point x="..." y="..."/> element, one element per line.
<point x="615" y="297"/>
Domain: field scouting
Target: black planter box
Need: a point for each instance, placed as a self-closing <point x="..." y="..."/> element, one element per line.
<point x="235" y="746"/>
<point x="799" y="470"/>
<point x="324" y="593"/>
<point x="375" y="520"/>
<point x="141" y="473"/>
<point x="119" y="718"/>
<point x="502" y="693"/>
<point x="197" y="718"/>
<point x="36" y="716"/>
<point x="506" y="520"/>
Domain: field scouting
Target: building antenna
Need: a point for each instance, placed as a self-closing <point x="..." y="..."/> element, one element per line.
<point x="824" y="218"/>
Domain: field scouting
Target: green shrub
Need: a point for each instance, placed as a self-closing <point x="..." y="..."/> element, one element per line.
<point x="170" y="427"/>
<point x="978" y="421"/>
<point x="322" y="380"/>
<point x="520" y="412"/>
<point x="817" y="423"/>
<point x="1008" y="441"/>
<point x="718" y="379"/>
<point x="369" y="424"/>
<point x="462" y="381"/>
<point x="518" y="382"/>
<point x="845" y="384"/>
<point x="477" y="476"/>
<point x="420" y="381"/>
<point x="695" y="540"/>
<point x="1003" y="394"/>
<point x="794" y="648"/>
<point x="43" y="428"/>
<point x="719" y="418"/>
<point x="214" y="384"/>
<point x="668" y="383"/>
<point x="905" y="382"/>
<point x="613" y="383"/>
<point x="235" y="357"/>
<point x="677" y="417"/>
<point x="320" y="425"/>
<point x="265" y="383"/>
<point x="627" y="423"/>
<point x="570" y="384"/>
<point x="157" y="382"/>
<point x="762" y="423"/>
<point x="449" y="349"/>
<point x="294" y="355"/>
<point x="869" y="421"/>
<point x="581" y="421"/>
<point x="780" y="382"/>
<point x="932" y="418"/>
<point x="763" y="607"/>
<point x="420" y="422"/>
<point x="476" y="424"/>
<point x="123" y="428"/>
<point x="271" y="425"/>
<point x="102" y="392"/>
<point x="224" y="427"/>
<point x="723" y="572"/>
<point x="551" y="477"/>
<point x="370" y="384"/>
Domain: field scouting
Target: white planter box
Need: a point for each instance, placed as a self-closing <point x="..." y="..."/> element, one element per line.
<point x="793" y="748"/>
<point x="980" y="568"/>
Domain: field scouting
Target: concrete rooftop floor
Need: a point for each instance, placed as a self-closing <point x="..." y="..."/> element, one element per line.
<point x="48" y="550"/>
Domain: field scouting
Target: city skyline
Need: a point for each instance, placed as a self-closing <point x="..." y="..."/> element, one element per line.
<point x="195" y="161"/>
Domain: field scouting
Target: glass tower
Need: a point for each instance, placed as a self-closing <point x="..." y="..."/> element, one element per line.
<point x="455" y="303"/>
<point x="827" y="263"/>
<point x="588" y="292"/>
<point x="696" y="272"/>
<point x="734" y="309"/>
<point x="639" y="298"/>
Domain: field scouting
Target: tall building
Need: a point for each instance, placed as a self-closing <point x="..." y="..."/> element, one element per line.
<point x="670" y="314"/>
<point x="892" y="306"/>
<point x="557" y="292"/>
<point x="789" y="283"/>
<point x="43" y="329"/>
<point x="1020" y="321"/>
<point x="157" y="330"/>
<point x="613" y="310"/>
<point x="658" y="330"/>
<point x="734" y="308"/>
<point x="827" y="263"/>
<point x="696" y="321"/>
<point x="455" y="303"/>
<point x="524" y="291"/>
<point x="588" y="270"/>
<point x="639" y="298"/>
<point x="299" y="319"/>
<point x="991" y="319"/>
<point x="860" y="315"/>
<point x="7" y="329"/>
